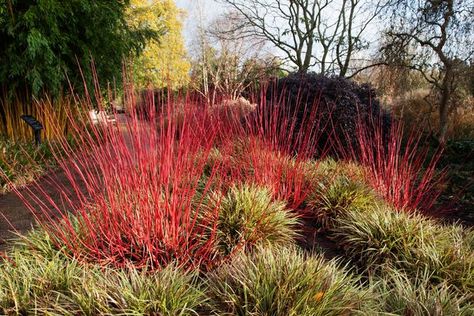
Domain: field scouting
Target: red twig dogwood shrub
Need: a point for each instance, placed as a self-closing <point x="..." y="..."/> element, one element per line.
<point x="132" y="188"/>
<point x="270" y="147"/>
<point x="399" y="167"/>
<point x="251" y="160"/>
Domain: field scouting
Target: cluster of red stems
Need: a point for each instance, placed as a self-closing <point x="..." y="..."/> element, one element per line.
<point x="137" y="188"/>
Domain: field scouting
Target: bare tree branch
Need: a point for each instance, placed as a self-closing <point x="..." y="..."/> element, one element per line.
<point x="321" y="33"/>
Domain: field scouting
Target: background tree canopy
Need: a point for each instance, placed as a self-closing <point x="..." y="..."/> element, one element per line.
<point x="42" y="42"/>
<point x="163" y="62"/>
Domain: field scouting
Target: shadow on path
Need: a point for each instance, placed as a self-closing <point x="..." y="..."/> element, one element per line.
<point x="17" y="218"/>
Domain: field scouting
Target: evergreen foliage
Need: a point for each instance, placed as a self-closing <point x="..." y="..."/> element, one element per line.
<point x="43" y="42"/>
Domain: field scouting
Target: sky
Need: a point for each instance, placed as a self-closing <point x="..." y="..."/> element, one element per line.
<point x="210" y="9"/>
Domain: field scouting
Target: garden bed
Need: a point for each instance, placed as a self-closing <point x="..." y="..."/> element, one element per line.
<point x="185" y="213"/>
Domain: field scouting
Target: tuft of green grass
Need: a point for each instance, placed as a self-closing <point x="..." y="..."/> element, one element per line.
<point x="333" y="199"/>
<point x="29" y="281"/>
<point x="36" y="278"/>
<point x="330" y="169"/>
<point x="37" y="241"/>
<point x="400" y="294"/>
<point x="133" y="292"/>
<point x="408" y="242"/>
<point x="248" y="216"/>
<point x="283" y="281"/>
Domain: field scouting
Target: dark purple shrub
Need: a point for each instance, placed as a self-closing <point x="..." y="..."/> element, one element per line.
<point x="339" y="104"/>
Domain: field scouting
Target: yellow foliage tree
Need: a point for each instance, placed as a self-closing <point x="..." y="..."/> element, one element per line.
<point x="163" y="63"/>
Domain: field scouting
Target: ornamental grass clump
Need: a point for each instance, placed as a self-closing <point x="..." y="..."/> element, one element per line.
<point x="329" y="169"/>
<point x="36" y="278"/>
<point x="408" y="242"/>
<point x="248" y="216"/>
<point x="29" y="281"/>
<point x="284" y="281"/>
<point x="400" y="294"/>
<point x="333" y="198"/>
<point x="130" y="291"/>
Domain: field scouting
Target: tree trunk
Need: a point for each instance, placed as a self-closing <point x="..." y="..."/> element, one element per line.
<point x="445" y="99"/>
<point x="443" y="117"/>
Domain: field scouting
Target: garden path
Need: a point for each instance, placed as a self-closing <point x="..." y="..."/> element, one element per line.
<point x="15" y="216"/>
